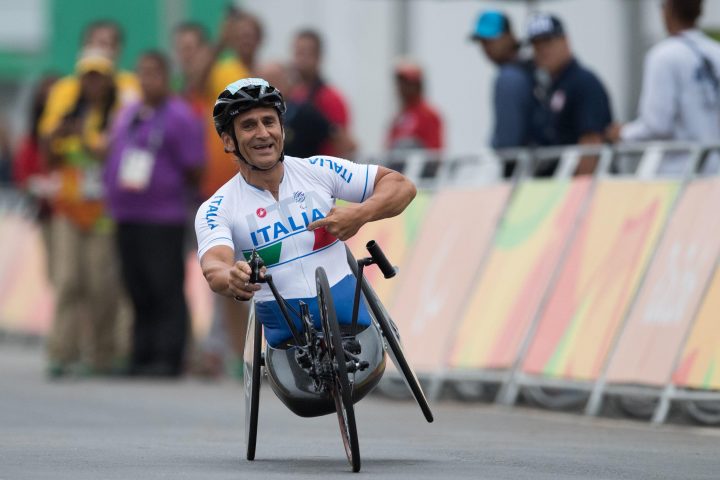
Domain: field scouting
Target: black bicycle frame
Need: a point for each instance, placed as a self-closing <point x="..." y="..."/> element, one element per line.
<point x="256" y="263"/>
<point x="377" y="257"/>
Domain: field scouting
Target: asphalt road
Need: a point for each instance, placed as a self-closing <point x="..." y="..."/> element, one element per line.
<point x="189" y="429"/>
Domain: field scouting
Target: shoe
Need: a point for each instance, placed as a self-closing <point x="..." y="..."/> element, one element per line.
<point x="56" y="370"/>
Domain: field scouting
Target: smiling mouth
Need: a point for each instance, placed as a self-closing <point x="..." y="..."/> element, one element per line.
<point x="263" y="148"/>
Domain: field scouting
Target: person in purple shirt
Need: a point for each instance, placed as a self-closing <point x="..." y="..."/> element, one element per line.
<point x="155" y="160"/>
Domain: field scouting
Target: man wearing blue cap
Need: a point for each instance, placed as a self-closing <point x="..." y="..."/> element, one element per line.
<point x="512" y="97"/>
<point x="571" y="104"/>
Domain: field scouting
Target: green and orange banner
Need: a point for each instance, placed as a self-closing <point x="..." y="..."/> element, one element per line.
<point x="526" y="252"/>
<point x="699" y="366"/>
<point x="395" y="236"/>
<point x="26" y="299"/>
<point x="672" y="290"/>
<point x="599" y="278"/>
<point x="447" y="256"/>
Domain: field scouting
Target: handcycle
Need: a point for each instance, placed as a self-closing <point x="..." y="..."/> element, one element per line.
<point x="321" y="372"/>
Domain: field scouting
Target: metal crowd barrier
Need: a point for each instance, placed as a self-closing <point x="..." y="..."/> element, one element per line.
<point x="432" y="170"/>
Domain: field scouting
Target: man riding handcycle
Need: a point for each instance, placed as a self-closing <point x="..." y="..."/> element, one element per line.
<point x="273" y="235"/>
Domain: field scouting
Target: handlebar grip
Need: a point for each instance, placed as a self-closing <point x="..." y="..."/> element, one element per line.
<point x="256" y="263"/>
<point x="380" y="259"/>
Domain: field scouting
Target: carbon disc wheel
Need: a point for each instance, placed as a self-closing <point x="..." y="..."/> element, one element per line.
<point x="341" y="392"/>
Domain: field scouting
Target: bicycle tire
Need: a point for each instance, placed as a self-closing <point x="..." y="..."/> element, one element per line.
<point x="703" y="412"/>
<point x="341" y="386"/>
<point x="556" y="398"/>
<point x="640" y="407"/>
<point x="252" y="357"/>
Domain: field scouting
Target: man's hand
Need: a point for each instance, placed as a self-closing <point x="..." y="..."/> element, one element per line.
<point x="239" y="284"/>
<point x="341" y="223"/>
<point x="612" y="133"/>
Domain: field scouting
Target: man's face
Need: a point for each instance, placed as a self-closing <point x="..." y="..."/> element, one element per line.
<point x="259" y="135"/>
<point x="407" y="89"/>
<point x="153" y="79"/>
<point x="187" y="47"/>
<point x="551" y="53"/>
<point x="306" y="58"/>
<point x="106" y="39"/>
<point x="498" y="50"/>
<point x="95" y="86"/>
<point x="244" y="37"/>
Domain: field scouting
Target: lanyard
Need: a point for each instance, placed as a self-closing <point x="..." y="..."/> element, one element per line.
<point x="156" y="133"/>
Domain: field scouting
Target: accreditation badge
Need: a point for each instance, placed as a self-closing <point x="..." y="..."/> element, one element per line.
<point x="91" y="185"/>
<point x="136" y="167"/>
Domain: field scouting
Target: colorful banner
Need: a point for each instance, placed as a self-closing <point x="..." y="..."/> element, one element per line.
<point x="700" y="361"/>
<point x="445" y="260"/>
<point x="672" y="289"/>
<point x="527" y="249"/>
<point x="394" y="235"/>
<point x="26" y="296"/>
<point x="598" y="279"/>
<point x="26" y="300"/>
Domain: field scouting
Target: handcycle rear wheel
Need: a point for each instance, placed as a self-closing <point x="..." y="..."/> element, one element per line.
<point x="252" y="357"/>
<point x="341" y="386"/>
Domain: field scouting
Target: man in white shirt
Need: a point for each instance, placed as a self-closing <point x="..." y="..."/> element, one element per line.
<point x="284" y="208"/>
<point x="680" y="97"/>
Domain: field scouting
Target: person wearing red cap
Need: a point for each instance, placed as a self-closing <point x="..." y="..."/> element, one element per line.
<point x="417" y="125"/>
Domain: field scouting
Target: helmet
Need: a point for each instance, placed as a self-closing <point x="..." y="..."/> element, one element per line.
<point x="243" y="95"/>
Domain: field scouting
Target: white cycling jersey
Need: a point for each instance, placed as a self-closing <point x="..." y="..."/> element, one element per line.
<point x="244" y="217"/>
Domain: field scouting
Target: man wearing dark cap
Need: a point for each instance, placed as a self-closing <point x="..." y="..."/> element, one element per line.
<point x="571" y="104"/>
<point x="512" y="97"/>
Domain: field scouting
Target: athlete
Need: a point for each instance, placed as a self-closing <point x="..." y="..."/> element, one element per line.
<point x="284" y="207"/>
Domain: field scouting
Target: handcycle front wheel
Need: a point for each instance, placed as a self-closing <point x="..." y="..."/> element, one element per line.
<point x="392" y="337"/>
<point x="341" y="386"/>
<point x="252" y="358"/>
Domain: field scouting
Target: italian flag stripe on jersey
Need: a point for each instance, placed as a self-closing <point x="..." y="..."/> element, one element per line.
<point x="322" y="238"/>
<point x="270" y="255"/>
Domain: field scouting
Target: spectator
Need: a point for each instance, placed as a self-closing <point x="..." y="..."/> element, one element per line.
<point x="102" y="35"/>
<point x="6" y="178"/>
<point x="191" y="47"/>
<point x="680" y="97"/>
<point x="30" y="168"/>
<point x="571" y="104"/>
<point x="512" y="93"/>
<point x="244" y="37"/>
<point x="229" y="59"/>
<point x="417" y="125"/>
<point x="241" y="36"/>
<point x="306" y="129"/>
<point x="156" y="154"/>
<point x="29" y="164"/>
<point x="312" y="88"/>
<point x="85" y="276"/>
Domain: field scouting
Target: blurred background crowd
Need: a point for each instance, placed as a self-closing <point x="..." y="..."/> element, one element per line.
<point x="118" y="148"/>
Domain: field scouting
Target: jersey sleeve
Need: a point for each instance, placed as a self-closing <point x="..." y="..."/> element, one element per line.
<point x="345" y="180"/>
<point x="212" y="225"/>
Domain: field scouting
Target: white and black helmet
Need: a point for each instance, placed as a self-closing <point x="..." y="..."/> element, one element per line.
<point x="243" y="95"/>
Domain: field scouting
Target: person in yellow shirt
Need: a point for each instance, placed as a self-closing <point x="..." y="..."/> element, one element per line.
<point x="82" y="251"/>
<point x="103" y="35"/>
